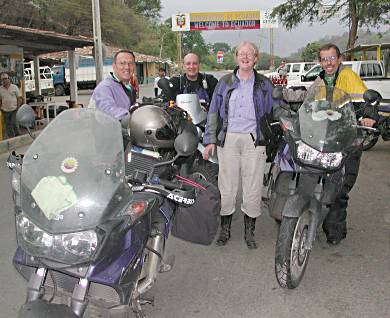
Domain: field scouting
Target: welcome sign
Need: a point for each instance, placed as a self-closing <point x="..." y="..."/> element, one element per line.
<point x="209" y="21"/>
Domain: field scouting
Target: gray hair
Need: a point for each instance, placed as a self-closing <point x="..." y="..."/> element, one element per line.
<point x="254" y="47"/>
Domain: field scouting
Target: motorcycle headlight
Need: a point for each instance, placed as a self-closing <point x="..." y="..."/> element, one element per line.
<point x="15" y="181"/>
<point x="311" y="156"/>
<point x="70" y="248"/>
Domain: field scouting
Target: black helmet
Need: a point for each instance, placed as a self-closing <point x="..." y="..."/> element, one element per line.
<point x="151" y="127"/>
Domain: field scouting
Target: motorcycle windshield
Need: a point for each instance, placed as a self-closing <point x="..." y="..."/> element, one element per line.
<point x="72" y="170"/>
<point x="327" y="120"/>
<point x="191" y="104"/>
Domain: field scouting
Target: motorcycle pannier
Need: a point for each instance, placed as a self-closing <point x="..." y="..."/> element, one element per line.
<point x="199" y="222"/>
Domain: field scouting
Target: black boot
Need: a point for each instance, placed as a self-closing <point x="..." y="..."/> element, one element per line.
<point x="249" y="232"/>
<point x="224" y="235"/>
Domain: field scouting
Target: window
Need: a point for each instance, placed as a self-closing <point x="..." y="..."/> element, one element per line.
<point x="370" y="70"/>
<point x="363" y="70"/>
<point x="308" y="66"/>
<point x="296" y="68"/>
<point x="377" y="70"/>
<point x="288" y="67"/>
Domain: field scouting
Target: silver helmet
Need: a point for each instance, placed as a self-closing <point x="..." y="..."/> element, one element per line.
<point x="151" y="127"/>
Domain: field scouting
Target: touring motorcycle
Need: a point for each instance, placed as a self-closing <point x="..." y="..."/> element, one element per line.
<point x="307" y="174"/>
<point x="92" y="217"/>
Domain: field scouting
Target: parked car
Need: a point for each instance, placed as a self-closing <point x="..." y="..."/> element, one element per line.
<point x="371" y="72"/>
<point x="294" y="71"/>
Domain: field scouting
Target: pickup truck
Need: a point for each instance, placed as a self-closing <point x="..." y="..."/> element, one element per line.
<point x="45" y="80"/>
<point x="371" y="72"/>
<point x="294" y="70"/>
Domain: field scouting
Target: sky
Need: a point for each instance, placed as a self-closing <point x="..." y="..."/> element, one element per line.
<point x="285" y="42"/>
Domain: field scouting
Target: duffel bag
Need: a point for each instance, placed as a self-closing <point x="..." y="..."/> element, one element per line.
<point x="199" y="222"/>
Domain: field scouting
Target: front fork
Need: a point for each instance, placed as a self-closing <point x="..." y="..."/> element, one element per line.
<point x="35" y="291"/>
<point x="314" y="206"/>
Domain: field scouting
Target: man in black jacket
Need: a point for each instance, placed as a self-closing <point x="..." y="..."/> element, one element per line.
<point x="194" y="82"/>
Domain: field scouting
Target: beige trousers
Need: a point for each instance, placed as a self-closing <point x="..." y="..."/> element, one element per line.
<point x="239" y="160"/>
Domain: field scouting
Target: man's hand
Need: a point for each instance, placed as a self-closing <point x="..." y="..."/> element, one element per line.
<point x="367" y="122"/>
<point x="209" y="148"/>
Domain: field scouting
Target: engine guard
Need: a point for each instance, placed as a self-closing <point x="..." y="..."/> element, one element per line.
<point x="43" y="309"/>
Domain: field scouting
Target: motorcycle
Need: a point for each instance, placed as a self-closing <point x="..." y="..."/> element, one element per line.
<point x="92" y="217"/>
<point x="383" y="128"/>
<point x="197" y="113"/>
<point x="307" y="173"/>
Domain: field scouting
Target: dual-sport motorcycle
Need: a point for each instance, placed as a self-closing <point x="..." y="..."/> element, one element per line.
<point x="382" y="130"/>
<point x="307" y="173"/>
<point x="92" y="217"/>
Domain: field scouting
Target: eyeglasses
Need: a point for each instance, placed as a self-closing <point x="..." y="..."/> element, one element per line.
<point x="246" y="54"/>
<point x="331" y="58"/>
<point x="123" y="64"/>
<point x="4" y="78"/>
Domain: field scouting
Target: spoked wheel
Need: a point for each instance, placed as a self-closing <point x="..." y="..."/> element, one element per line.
<point x="291" y="255"/>
<point x="370" y="140"/>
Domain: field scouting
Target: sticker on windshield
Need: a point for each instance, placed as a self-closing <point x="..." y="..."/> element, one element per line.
<point x="330" y="114"/>
<point x="69" y="165"/>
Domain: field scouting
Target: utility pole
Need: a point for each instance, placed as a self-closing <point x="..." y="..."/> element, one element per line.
<point x="271" y="48"/>
<point x="97" y="38"/>
<point x="178" y="47"/>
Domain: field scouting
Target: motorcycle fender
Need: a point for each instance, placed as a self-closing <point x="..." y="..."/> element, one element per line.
<point x="295" y="205"/>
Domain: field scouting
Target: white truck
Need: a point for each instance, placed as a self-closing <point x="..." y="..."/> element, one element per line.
<point x="45" y="79"/>
<point x="371" y="72"/>
<point x="85" y="74"/>
<point x="294" y="71"/>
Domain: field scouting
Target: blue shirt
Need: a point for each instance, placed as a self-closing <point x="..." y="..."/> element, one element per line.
<point x="242" y="117"/>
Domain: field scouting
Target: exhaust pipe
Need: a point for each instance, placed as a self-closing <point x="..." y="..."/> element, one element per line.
<point x="153" y="264"/>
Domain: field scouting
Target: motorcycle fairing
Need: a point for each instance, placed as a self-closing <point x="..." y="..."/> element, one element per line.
<point x="89" y="143"/>
<point x="327" y="122"/>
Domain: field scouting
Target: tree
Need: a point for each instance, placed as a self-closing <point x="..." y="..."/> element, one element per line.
<point x="220" y="46"/>
<point x="310" y="52"/>
<point x="354" y="13"/>
<point x="147" y="8"/>
<point x="193" y="41"/>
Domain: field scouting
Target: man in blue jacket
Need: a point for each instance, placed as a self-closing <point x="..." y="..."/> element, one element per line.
<point x="241" y="103"/>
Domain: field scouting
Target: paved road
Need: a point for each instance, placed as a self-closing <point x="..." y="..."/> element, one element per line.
<point x="351" y="280"/>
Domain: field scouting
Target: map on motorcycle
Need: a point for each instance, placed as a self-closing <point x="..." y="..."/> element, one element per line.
<point x="62" y="196"/>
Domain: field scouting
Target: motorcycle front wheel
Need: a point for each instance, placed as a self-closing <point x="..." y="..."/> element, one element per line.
<point x="291" y="256"/>
<point x="370" y="140"/>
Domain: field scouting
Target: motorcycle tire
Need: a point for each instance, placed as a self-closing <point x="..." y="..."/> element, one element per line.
<point x="291" y="257"/>
<point x="370" y="141"/>
<point x="205" y="170"/>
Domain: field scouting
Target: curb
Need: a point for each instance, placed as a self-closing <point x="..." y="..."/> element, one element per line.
<point x="16" y="142"/>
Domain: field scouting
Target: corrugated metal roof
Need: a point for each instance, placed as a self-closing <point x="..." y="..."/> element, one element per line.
<point x="110" y="51"/>
<point x="36" y="42"/>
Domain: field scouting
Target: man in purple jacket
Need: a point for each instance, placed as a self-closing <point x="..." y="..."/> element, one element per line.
<point x="115" y="95"/>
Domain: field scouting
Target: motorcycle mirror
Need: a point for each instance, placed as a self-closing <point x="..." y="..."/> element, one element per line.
<point x="25" y="116"/>
<point x="277" y="93"/>
<point x="371" y="96"/>
<point x="167" y="87"/>
<point x="186" y="143"/>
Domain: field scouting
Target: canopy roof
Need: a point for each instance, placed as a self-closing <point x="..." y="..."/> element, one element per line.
<point x="35" y="42"/>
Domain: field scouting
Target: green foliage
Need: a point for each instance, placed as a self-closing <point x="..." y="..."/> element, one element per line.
<point x="220" y="46"/>
<point x="147" y="8"/>
<point x="353" y="13"/>
<point x="310" y="52"/>
<point x="194" y="42"/>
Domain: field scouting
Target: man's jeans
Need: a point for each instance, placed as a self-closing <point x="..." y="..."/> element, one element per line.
<point x="11" y="128"/>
